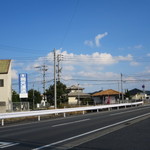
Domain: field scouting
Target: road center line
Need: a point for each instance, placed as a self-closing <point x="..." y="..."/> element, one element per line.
<point x="62" y="124"/>
<point x="93" y="131"/>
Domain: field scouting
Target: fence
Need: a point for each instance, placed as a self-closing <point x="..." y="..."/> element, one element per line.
<point x="19" y="106"/>
<point x="64" y="111"/>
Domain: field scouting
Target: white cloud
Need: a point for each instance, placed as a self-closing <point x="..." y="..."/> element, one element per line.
<point x="134" y="63"/>
<point x="99" y="75"/>
<point x="91" y="66"/>
<point x="68" y="68"/>
<point x="88" y="43"/>
<point x="140" y="46"/>
<point x="99" y="37"/>
<point x="135" y="47"/>
<point x="148" y="54"/>
<point x="147" y="69"/>
<point x="71" y="61"/>
<point x="78" y="66"/>
<point x="14" y="74"/>
<point x="96" y="41"/>
<point x="125" y="58"/>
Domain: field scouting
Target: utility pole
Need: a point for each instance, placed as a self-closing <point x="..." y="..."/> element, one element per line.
<point x="78" y="96"/>
<point x="55" y="89"/>
<point x="59" y="58"/>
<point x="122" y="88"/>
<point x="44" y="69"/>
<point x="119" y="90"/>
<point x="33" y="96"/>
<point x="44" y="81"/>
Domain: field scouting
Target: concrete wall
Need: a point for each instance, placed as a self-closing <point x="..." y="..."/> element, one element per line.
<point x="2" y="107"/>
<point x="72" y="100"/>
<point x="6" y="91"/>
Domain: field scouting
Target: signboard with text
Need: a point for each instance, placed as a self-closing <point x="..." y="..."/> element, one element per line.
<point x="23" y="88"/>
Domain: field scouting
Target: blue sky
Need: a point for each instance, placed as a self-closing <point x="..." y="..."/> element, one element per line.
<point x="99" y="40"/>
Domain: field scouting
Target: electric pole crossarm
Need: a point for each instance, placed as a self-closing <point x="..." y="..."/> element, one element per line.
<point x="59" y="58"/>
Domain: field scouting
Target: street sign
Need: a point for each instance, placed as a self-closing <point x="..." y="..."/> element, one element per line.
<point x="23" y="90"/>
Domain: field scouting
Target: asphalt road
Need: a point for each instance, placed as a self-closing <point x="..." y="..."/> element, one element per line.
<point x="112" y="130"/>
<point x="134" y="137"/>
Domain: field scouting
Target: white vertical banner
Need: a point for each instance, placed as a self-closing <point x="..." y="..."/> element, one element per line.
<point x="23" y="88"/>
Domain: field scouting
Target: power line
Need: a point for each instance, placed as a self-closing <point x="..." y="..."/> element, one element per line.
<point x="105" y="80"/>
<point x="70" y="23"/>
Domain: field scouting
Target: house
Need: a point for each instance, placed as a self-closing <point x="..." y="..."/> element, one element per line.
<point x="5" y="85"/>
<point x="106" y="97"/>
<point x="147" y="96"/>
<point x="76" y="95"/>
<point x="137" y="94"/>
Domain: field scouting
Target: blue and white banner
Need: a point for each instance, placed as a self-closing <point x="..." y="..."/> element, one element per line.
<point x="23" y="88"/>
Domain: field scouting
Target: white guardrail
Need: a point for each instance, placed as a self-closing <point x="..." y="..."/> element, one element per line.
<point x="64" y="111"/>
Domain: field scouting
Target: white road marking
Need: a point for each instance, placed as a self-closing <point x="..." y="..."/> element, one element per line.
<point x="93" y="131"/>
<point x="7" y="144"/>
<point x="62" y="124"/>
<point x="128" y="111"/>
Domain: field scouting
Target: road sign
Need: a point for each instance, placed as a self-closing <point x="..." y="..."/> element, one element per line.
<point x="23" y="90"/>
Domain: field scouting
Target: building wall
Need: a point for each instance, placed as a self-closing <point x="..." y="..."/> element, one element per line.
<point x="104" y="99"/>
<point x="139" y="96"/>
<point x="97" y="100"/>
<point x="72" y="100"/>
<point x="6" y="91"/>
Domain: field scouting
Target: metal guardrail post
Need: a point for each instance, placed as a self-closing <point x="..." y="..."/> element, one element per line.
<point x="83" y="112"/>
<point x="2" y="122"/>
<point x="39" y="118"/>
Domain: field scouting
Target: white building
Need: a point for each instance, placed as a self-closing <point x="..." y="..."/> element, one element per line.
<point x="5" y="85"/>
<point x="76" y="95"/>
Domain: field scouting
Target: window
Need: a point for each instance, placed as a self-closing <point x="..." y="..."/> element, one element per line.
<point x="1" y="83"/>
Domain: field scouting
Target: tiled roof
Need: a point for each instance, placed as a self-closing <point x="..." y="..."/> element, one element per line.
<point x="4" y="66"/>
<point x="78" y="94"/>
<point x="135" y="91"/>
<point x="107" y="92"/>
<point x="74" y="87"/>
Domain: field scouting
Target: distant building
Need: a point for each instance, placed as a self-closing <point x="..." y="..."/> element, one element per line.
<point x="76" y="95"/>
<point x="106" y="97"/>
<point x="137" y="94"/>
<point x="5" y="85"/>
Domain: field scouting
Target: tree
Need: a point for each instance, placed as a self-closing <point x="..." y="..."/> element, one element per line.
<point x="34" y="96"/>
<point x="127" y="94"/>
<point x="15" y="96"/>
<point x="61" y="90"/>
